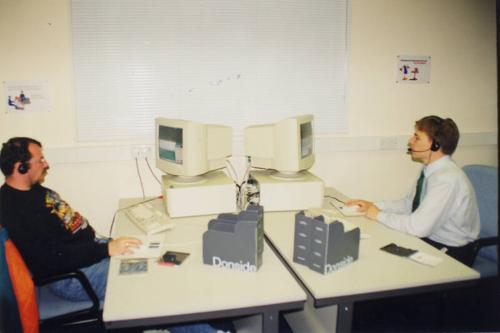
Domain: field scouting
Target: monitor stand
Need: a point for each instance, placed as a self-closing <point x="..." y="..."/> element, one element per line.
<point x="215" y="194"/>
<point x="278" y="193"/>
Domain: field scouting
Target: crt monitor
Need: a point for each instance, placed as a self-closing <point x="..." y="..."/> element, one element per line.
<point x="189" y="149"/>
<point x="286" y="146"/>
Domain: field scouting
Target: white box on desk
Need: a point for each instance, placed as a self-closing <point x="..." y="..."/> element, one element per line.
<point x="285" y="194"/>
<point x="215" y="194"/>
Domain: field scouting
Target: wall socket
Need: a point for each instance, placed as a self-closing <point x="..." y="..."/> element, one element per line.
<point x="141" y="152"/>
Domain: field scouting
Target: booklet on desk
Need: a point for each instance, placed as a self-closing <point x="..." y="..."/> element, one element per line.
<point x="133" y="266"/>
<point x="426" y="259"/>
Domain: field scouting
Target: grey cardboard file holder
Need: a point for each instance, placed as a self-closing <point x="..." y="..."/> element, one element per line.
<point x="235" y="241"/>
<point x="323" y="247"/>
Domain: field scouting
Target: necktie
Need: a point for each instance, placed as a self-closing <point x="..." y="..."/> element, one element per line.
<point x="418" y="192"/>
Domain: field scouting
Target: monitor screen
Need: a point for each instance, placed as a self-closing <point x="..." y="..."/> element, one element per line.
<point x="170" y="144"/>
<point x="189" y="149"/>
<point x="306" y="139"/>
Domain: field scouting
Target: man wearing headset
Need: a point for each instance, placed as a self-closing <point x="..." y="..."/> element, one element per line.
<point x="52" y="238"/>
<point x="443" y="209"/>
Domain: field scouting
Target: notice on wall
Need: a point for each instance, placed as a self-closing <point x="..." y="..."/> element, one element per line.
<point x="26" y="96"/>
<point x="413" y="69"/>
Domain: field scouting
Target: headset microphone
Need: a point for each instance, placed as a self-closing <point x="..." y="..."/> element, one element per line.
<point x="409" y="150"/>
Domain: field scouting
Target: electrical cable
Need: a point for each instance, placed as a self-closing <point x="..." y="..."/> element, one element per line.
<point x="332" y="197"/>
<point x="234" y="175"/>
<point x="127" y="207"/>
<point x="150" y="169"/>
<point x="240" y="186"/>
<point x="140" y="178"/>
<point x="246" y="174"/>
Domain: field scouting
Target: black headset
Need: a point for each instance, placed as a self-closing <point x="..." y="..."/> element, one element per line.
<point x="435" y="145"/>
<point x="23" y="167"/>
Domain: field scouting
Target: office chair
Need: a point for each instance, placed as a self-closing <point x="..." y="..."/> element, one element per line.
<point x="26" y="305"/>
<point x="484" y="179"/>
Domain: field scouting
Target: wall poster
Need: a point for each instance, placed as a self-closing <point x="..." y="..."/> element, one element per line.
<point x="413" y="69"/>
<point x="26" y="96"/>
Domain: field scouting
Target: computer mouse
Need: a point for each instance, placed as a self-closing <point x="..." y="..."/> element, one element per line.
<point x="351" y="210"/>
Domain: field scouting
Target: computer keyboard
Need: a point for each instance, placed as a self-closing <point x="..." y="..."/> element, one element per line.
<point x="148" y="218"/>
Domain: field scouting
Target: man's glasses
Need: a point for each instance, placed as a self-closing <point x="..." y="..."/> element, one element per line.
<point x="41" y="160"/>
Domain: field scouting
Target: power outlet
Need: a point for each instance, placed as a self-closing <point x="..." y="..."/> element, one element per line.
<point x="141" y="152"/>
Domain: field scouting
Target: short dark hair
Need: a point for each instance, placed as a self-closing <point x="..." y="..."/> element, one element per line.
<point x="13" y="151"/>
<point x="443" y="132"/>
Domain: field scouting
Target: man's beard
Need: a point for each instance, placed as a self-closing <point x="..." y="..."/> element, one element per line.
<point x="42" y="177"/>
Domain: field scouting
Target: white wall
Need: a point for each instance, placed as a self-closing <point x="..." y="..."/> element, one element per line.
<point x="459" y="35"/>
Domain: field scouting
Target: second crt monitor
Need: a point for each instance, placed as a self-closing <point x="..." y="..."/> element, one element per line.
<point x="285" y="150"/>
<point x="286" y="146"/>
<point x="191" y="155"/>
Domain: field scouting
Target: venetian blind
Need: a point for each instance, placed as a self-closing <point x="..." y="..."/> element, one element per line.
<point x="231" y="62"/>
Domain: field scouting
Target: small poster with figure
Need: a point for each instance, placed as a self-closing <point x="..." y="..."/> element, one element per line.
<point x="414" y="69"/>
<point x="26" y="96"/>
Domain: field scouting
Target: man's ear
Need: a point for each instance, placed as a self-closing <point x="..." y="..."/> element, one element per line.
<point x="15" y="168"/>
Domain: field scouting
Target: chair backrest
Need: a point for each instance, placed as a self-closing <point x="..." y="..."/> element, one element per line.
<point x="9" y="315"/>
<point x="18" y="298"/>
<point x="484" y="179"/>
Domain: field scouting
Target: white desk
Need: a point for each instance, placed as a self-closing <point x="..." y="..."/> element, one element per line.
<point x="376" y="274"/>
<point x="194" y="291"/>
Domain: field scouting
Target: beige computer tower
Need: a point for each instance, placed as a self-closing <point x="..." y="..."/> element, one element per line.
<point x="215" y="194"/>
<point x="285" y="194"/>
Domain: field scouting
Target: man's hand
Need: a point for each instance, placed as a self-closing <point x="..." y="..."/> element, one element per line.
<point x="367" y="207"/>
<point x="123" y="245"/>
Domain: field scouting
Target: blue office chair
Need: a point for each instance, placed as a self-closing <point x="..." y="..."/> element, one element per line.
<point x="26" y="305"/>
<point x="485" y="181"/>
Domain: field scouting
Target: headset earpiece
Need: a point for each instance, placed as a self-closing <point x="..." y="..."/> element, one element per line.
<point x="23" y="167"/>
<point x="435" y="145"/>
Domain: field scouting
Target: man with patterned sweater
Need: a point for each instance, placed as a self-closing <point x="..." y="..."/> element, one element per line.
<point x="50" y="235"/>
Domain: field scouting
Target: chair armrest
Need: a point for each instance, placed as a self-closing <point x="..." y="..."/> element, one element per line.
<point x="483" y="242"/>
<point x="81" y="278"/>
<point x="487" y="241"/>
